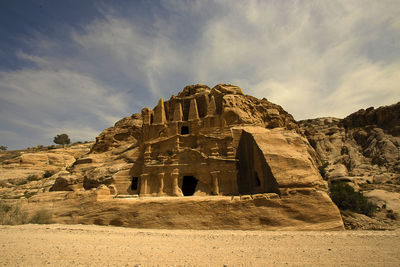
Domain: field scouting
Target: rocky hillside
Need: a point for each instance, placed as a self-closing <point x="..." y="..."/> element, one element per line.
<point x="363" y="150"/>
<point x="24" y="173"/>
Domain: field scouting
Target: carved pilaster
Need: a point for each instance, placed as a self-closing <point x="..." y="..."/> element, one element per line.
<point x="161" y="184"/>
<point x="215" y="185"/>
<point x="176" y="191"/>
<point x="143" y="184"/>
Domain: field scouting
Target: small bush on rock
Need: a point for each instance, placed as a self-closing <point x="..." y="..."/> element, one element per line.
<point x="32" y="178"/>
<point x="322" y="169"/>
<point x="346" y="198"/>
<point x="12" y="214"/>
<point x="42" y="216"/>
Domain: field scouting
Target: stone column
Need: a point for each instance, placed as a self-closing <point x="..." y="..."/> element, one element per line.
<point x="161" y="184"/>
<point x="215" y="175"/>
<point x="143" y="184"/>
<point x="176" y="191"/>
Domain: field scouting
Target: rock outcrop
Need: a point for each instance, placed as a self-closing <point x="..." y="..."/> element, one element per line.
<point x="244" y="161"/>
<point x="364" y="144"/>
<point x="19" y="165"/>
<point x="362" y="149"/>
<point x="124" y="131"/>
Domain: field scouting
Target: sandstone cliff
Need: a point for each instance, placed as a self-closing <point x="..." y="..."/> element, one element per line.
<point x="362" y="149"/>
<point x="230" y="151"/>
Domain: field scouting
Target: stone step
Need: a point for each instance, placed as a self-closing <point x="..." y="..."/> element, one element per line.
<point x="127" y="196"/>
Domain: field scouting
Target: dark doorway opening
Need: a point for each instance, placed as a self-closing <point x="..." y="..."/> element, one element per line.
<point x="257" y="179"/>
<point x="134" y="184"/>
<point x="189" y="185"/>
<point x="184" y="130"/>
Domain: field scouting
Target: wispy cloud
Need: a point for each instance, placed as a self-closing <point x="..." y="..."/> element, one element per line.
<point x="325" y="58"/>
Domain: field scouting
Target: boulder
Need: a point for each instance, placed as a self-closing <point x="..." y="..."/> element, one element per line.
<point x="390" y="200"/>
<point x="67" y="182"/>
<point x="286" y="156"/>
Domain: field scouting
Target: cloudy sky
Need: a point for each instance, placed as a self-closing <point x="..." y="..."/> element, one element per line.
<point x="77" y="67"/>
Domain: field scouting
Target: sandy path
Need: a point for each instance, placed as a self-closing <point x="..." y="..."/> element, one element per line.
<point x="80" y="245"/>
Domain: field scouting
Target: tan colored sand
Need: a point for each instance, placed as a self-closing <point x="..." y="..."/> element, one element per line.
<point x="80" y="245"/>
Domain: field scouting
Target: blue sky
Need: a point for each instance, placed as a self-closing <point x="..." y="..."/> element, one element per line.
<point x="77" y="67"/>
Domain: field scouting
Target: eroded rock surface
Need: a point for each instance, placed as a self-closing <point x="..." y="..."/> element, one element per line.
<point x="203" y="142"/>
<point x="362" y="149"/>
<point x="126" y="130"/>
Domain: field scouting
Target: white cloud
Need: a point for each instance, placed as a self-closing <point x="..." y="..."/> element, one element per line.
<point x="313" y="58"/>
<point x="43" y="102"/>
<point x="303" y="55"/>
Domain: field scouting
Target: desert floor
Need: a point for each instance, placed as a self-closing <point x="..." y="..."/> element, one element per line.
<point x="83" y="245"/>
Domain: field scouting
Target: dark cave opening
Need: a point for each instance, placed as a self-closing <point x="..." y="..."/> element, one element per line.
<point x="134" y="184"/>
<point x="184" y="130"/>
<point x="189" y="185"/>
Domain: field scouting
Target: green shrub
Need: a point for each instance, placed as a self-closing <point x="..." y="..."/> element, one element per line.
<point x="12" y="214"/>
<point x="28" y="194"/>
<point x="42" y="216"/>
<point x="5" y="207"/>
<point x="322" y="169"/>
<point x="346" y="198"/>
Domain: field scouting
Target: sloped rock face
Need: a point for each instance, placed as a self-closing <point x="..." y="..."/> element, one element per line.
<point x="259" y="212"/>
<point x="126" y="130"/>
<point x="26" y="173"/>
<point x="365" y="143"/>
<point x="386" y="118"/>
<point x="27" y="163"/>
<point x="362" y="149"/>
<point x="109" y="160"/>
<point x="284" y="158"/>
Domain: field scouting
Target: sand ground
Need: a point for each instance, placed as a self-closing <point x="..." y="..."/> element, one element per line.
<point x="83" y="245"/>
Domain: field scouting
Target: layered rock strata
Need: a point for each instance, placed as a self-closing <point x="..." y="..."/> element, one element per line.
<point x="363" y="150"/>
<point x="242" y="159"/>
